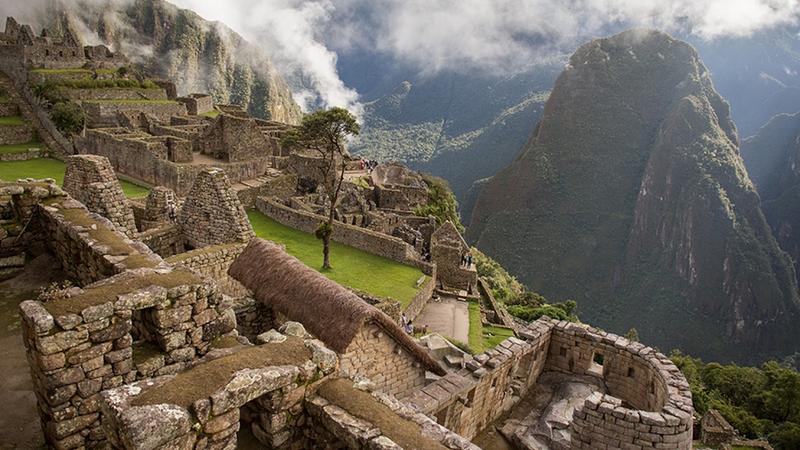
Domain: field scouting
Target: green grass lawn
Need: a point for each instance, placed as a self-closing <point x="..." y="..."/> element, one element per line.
<point x="212" y="113"/>
<point x="12" y="120"/>
<point x="20" y="148"/>
<point x="498" y="335"/>
<point x="351" y="267"/>
<point x="53" y="168"/>
<point x="66" y="70"/>
<point x="33" y="168"/>
<point x="475" y="328"/>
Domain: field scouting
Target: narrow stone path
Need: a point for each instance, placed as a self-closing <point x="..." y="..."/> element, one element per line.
<point x="448" y="317"/>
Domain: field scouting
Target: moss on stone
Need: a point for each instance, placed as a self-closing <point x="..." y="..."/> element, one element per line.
<point x="193" y="253"/>
<point x="204" y="379"/>
<point x="139" y="261"/>
<point x="228" y="342"/>
<point x="404" y="433"/>
<point x="97" y="296"/>
<point x="144" y="351"/>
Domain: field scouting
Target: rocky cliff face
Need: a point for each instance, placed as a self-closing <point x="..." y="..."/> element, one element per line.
<point x="630" y="197"/>
<point x="772" y="158"/>
<point x="168" y="42"/>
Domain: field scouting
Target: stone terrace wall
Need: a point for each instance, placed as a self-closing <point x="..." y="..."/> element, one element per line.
<point x="81" y="345"/>
<point x="213" y="262"/>
<point x="115" y="94"/>
<point x="360" y="238"/>
<point x="422" y="297"/>
<point x="377" y="356"/>
<point x="660" y="411"/>
<point x="15" y="134"/>
<point x="106" y="112"/>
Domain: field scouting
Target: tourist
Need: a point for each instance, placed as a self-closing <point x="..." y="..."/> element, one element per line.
<point x="409" y="328"/>
<point x="469" y="260"/>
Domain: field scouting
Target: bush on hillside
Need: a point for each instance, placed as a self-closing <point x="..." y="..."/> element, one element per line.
<point x="69" y="118"/>
<point x="442" y="203"/>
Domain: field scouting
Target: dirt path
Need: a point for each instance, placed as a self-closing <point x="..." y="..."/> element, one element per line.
<point x="20" y="428"/>
<point x="448" y="317"/>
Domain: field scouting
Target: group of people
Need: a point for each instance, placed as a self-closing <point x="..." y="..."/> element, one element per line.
<point x="466" y="259"/>
<point x="368" y="164"/>
<point x="426" y="251"/>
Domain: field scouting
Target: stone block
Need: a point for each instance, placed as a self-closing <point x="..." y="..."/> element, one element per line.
<point x="69" y="321"/>
<point x="220" y="423"/>
<point x="37" y="316"/>
<point x="60" y="342"/>
<point x="61" y="430"/>
<point x="92" y="352"/>
<point x="249" y="384"/>
<point x="170" y="317"/>
<point x="322" y="356"/>
<point x="119" y="355"/>
<point x="143" y="298"/>
<point x="97" y="312"/>
<point x="64" y="377"/>
<point x="112" y="332"/>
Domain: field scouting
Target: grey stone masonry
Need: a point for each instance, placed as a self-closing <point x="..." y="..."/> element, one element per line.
<point x="81" y="345"/>
<point x="657" y="411"/>
<point x="212" y="213"/>
<point x="91" y="180"/>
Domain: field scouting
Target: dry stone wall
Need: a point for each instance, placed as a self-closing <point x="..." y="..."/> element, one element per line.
<point x="165" y="242"/>
<point x="80" y="345"/>
<point x="114" y="94"/>
<point x="213" y="262"/>
<point x="377" y="356"/>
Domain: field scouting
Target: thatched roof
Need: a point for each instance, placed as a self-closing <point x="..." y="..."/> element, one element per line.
<point x="327" y="310"/>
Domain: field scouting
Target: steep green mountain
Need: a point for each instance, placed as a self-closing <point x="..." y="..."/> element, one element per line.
<point x="168" y="42"/>
<point x="772" y="158"/>
<point x="631" y="198"/>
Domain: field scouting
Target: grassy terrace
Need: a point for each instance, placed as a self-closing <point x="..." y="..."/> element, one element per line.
<point x="52" y="168"/>
<point x="351" y="267"/>
<point x="212" y="113"/>
<point x="19" y="148"/>
<point x="12" y="120"/>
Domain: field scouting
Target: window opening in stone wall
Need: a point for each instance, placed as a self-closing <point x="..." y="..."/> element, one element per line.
<point x="47" y="53"/>
<point x="652" y="387"/>
<point x="441" y="416"/>
<point x="596" y="365"/>
<point x="525" y="365"/>
<point x="60" y="53"/>
<point x="470" y="398"/>
<point x="562" y="351"/>
<point x="73" y="53"/>
<point x="631" y="372"/>
<point x="494" y="382"/>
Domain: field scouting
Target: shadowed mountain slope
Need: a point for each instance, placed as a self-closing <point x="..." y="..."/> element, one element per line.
<point x="631" y="198"/>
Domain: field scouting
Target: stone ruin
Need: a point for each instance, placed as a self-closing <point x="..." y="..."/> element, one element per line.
<point x="112" y="362"/>
<point x="19" y="45"/>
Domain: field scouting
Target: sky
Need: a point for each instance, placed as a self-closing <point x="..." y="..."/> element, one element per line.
<point x="307" y="38"/>
<point x="433" y="35"/>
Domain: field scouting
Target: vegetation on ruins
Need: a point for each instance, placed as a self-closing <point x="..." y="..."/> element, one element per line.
<point x="442" y="203"/>
<point x="759" y="402"/>
<point x="515" y="297"/>
<point x="355" y="268"/>
<point x="325" y="133"/>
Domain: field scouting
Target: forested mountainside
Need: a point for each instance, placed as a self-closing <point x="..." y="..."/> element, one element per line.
<point x="631" y="198"/>
<point x="466" y="125"/>
<point x="168" y="42"/>
<point x="462" y="127"/>
<point x="772" y="158"/>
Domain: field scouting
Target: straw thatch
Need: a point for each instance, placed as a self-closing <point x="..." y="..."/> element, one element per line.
<point x="327" y="310"/>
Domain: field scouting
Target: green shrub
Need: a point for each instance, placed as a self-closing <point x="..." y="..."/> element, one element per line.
<point x="69" y="118"/>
